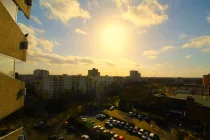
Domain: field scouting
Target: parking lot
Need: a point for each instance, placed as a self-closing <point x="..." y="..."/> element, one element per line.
<point x="150" y="126"/>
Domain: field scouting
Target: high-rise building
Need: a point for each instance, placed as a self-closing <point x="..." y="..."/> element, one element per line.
<point x="13" y="45"/>
<point x="206" y="80"/>
<point x="40" y="73"/>
<point x="135" y="75"/>
<point x="94" y="72"/>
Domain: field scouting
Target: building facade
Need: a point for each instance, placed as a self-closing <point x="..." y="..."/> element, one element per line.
<point x="135" y="75"/>
<point x="40" y="73"/>
<point x="94" y="72"/>
<point x="206" y="80"/>
<point x="13" y="45"/>
<point x="51" y="87"/>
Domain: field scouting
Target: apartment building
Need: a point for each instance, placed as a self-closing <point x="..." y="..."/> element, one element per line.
<point x="40" y="73"/>
<point x="135" y="75"/>
<point x="13" y="46"/>
<point x="206" y="80"/>
<point x="94" y="72"/>
<point x="51" y="87"/>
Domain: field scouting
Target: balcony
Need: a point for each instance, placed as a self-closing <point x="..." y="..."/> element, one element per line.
<point x="12" y="93"/>
<point x="11" y="36"/>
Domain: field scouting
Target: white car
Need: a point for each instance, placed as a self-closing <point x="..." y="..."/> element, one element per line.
<point x="85" y="137"/>
<point x="151" y="136"/>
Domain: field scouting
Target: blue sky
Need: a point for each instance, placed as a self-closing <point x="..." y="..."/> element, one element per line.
<point x="156" y="37"/>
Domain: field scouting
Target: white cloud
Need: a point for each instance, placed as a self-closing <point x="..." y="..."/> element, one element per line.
<point x="167" y="48"/>
<point x="152" y="57"/>
<point x="34" y="41"/>
<point x="198" y="42"/>
<point x="80" y="31"/>
<point x="146" y="14"/>
<point x="208" y="18"/>
<point x="36" y="20"/>
<point x="183" y="36"/>
<point x="151" y="52"/>
<point x="108" y="63"/>
<point x="47" y="44"/>
<point x="141" y="32"/>
<point x="39" y="30"/>
<point x="64" y="10"/>
<point x="206" y="50"/>
<point x="163" y="65"/>
<point x="92" y="2"/>
<point x="188" y="56"/>
<point x="120" y="3"/>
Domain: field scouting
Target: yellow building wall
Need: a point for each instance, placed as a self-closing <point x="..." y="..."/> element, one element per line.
<point x="25" y="8"/>
<point x="10" y="35"/>
<point x="10" y="101"/>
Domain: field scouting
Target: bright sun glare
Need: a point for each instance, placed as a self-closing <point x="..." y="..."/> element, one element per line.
<point x="113" y="37"/>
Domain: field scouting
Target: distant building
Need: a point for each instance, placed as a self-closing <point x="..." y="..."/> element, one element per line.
<point x="135" y="75"/>
<point x="40" y="73"/>
<point x="179" y="80"/>
<point x="51" y="87"/>
<point x="94" y="72"/>
<point x="206" y="80"/>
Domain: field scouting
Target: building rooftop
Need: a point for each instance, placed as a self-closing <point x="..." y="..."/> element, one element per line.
<point x="202" y="100"/>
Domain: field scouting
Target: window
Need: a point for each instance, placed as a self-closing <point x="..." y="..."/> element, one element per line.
<point x="7" y="65"/>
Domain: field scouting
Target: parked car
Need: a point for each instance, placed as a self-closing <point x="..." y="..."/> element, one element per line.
<point x="61" y="138"/>
<point x="145" y="136"/>
<point x="112" y="108"/>
<point x="135" y="132"/>
<point x="151" y="136"/>
<point x="130" y="113"/>
<point x="140" y="133"/>
<point x="116" y="136"/>
<point x="85" y="137"/>
<point x="140" y="117"/>
<point x="147" y="119"/>
<point x="121" y="138"/>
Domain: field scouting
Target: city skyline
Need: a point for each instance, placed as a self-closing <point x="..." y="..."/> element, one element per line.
<point x="116" y="36"/>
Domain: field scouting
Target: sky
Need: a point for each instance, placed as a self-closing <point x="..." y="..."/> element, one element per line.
<point x="161" y="38"/>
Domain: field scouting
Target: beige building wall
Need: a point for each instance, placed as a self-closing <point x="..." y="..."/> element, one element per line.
<point x="10" y="95"/>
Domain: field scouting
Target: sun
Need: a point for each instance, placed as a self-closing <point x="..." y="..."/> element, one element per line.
<point x="113" y="37"/>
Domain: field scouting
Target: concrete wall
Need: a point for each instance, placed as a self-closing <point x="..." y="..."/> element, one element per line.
<point x="10" y="99"/>
<point x="13" y="135"/>
<point x="10" y="36"/>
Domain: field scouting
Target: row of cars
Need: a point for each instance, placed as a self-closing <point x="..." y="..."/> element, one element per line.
<point x="130" y="128"/>
<point x="113" y="135"/>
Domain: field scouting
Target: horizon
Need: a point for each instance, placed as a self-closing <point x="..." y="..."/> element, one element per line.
<point x="159" y="38"/>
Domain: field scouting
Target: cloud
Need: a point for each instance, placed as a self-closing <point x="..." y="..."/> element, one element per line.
<point x="36" y="20"/>
<point x="188" y="56"/>
<point x="167" y="48"/>
<point x="208" y="18"/>
<point x="152" y="57"/>
<point x="39" y="30"/>
<point x="163" y="65"/>
<point x="64" y="10"/>
<point x="108" y="63"/>
<point x="146" y="14"/>
<point x="151" y="52"/>
<point x="198" y="42"/>
<point x="47" y="44"/>
<point x="34" y="41"/>
<point x="58" y="59"/>
<point x="206" y="50"/>
<point x="120" y="3"/>
<point x="141" y="32"/>
<point x="80" y="31"/>
<point x="183" y="36"/>
<point x="92" y="2"/>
